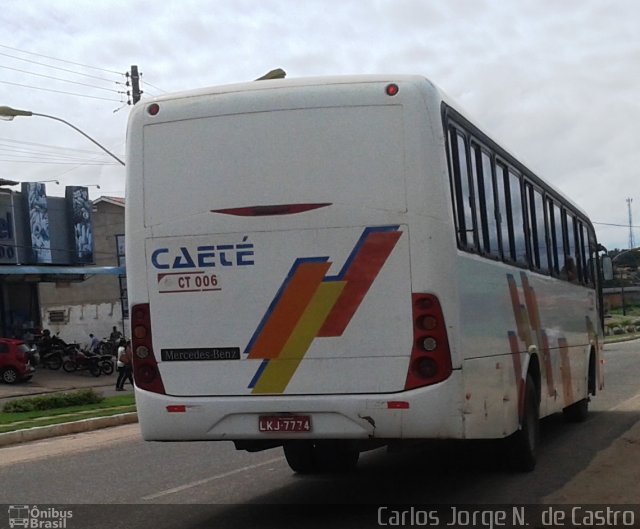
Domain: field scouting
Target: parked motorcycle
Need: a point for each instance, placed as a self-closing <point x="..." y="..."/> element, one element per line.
<point x="51" y="350"/>
<point x="106" y="364"/>
<point x="107" y="347"/>
<point x="83" y="361"/>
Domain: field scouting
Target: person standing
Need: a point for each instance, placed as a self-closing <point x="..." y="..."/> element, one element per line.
<point x="93" y="344"/>
<point x="124" y="365"/>
<point x="115" y="336"/>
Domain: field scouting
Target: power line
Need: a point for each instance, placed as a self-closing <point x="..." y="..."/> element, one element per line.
<point x="58" y="68"/>
<point x="152" y="86"/>
<point x="616" y="225"/>
<point x="59" y="91"/>
<point x="12" y="151"/>
<point x="59" y="163"/>
<point x="60" y="79"/>
<point x="60" y="60"/>
<point x="40" y="155"/>
<point x="32" y="143"/>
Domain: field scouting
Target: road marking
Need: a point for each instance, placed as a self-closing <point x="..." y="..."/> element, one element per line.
<point x="64" y="445"/>
<point x="212" y="478"/>
<point x="631" y="404"/>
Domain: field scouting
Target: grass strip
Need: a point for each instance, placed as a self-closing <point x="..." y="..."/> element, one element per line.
<point x="61" y="419"/>
<point x="109" y="406"/>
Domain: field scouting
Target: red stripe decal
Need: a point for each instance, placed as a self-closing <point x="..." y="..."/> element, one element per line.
<point x="265" y="211"/>
<point x="360" y="276"/>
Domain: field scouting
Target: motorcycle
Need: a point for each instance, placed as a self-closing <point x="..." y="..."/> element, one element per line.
<point x="107" y="347"/>
<point x="51" y="350"/>
<point x="84" y="361"/>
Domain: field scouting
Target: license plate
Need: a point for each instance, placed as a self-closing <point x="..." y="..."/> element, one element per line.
<point x="285" y="423"/>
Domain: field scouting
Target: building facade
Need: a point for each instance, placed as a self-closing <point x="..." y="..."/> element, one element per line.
<point x="43" y="240"/>
<point x="97" y="304"/>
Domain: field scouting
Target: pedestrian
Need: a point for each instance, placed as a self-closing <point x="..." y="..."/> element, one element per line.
<point x="115" y="335"/>
<point x="93" y="344"/>
<point x="124" y="365"/>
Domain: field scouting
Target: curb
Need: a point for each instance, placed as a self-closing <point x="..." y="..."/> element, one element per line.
<point x="56" y="430"/>
<point x="49" y="391"/>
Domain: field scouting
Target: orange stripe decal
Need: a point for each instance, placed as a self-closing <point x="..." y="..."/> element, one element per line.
<point x="294" y="300"/>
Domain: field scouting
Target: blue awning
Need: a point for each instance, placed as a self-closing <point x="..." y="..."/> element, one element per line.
<point x="51" y="270"/>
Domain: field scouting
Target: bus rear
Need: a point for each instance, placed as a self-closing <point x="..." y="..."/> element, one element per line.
<point x="269" y="252"/>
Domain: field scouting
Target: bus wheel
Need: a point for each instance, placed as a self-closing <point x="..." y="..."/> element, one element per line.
<point x="577" y="412"/>
<point x="337" y="456"/>
<point x="308" y="457"/>
<point x="523" y="444"/>
<point x="300" y="456"/>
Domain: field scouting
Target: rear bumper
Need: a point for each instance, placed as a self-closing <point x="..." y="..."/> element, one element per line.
<point x="433" y="412"/>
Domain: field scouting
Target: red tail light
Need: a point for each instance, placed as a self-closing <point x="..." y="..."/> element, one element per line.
<point x="145" y="367"/>
<point x="430" y="357"/>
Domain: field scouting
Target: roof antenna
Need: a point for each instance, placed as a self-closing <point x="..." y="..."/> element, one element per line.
<point x="278" y="73"/>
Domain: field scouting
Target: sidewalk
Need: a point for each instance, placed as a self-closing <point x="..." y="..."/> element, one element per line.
<point x="52" y="381"/>
<point x="46" y="381"/>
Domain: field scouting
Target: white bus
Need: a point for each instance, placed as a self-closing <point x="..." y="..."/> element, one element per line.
<point x="336" y="264"/>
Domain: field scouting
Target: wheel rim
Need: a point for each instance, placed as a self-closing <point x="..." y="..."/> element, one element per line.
<point x="9" y="376"/>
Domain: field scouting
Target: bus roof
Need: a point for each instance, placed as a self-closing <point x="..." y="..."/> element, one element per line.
<point x="435" y="91"/>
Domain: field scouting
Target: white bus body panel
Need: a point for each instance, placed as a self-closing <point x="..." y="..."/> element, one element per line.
<point x="232" y="310"/>
<point x="434" y="413"/>
<point x="375" y="162"/>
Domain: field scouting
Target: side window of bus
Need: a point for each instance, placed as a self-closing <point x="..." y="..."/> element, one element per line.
<point x="519" y="248"/>
<point x="480" y="204"/>
<point x="586" y="261"/>
<point x="489" y="200"/>
<point x="573" y="271"/>
<point x="538" y="230"/>
<point x="557" y="239"/>
<point x="502" y="210"/>
<point x="463" y="189"/>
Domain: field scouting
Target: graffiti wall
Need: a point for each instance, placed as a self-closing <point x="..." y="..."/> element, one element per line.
<point x="82" y="230"/>
<point x="38" y="225"/>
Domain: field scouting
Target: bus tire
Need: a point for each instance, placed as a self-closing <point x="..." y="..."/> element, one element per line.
<point x="300" y="456"/>
<point x="336" y="456"/>
<point x="523" y="444"/>
<point x="577" y="412"/>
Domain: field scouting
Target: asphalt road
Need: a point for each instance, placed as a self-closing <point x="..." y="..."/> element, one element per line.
<point x="212" y="485"/>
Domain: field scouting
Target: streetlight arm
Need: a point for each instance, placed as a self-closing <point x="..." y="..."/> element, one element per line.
<point x="9" y="113"/>
<point x="78" y="130"/>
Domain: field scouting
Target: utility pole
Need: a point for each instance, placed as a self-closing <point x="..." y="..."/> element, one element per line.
<point x="135" y="84"/>
<point x="631" y="241"/>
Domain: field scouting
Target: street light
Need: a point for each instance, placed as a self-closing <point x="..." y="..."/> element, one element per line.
<point x="8" y="113"/>
<point x="56" y="182"/>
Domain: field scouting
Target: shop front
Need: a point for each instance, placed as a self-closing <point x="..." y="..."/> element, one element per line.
<point x="42" y="240"/>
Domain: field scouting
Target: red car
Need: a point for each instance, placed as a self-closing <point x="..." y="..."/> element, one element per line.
<point x="15" y="364"/>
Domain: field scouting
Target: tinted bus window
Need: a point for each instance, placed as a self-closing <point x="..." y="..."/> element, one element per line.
<point x="587" y="276"/>
<point x="463" y="202"/>
<point x="481" y="212"/>
<point x="503" y="218"/>
<point x="519" y="249"/>
<point x="539" y="227"/>
<point x="556" y="241"/>
<point x="573" y="273"/>
<point x="490" y="205"/>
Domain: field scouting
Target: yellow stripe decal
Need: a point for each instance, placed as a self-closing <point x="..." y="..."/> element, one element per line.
<point x="280" y="370"/>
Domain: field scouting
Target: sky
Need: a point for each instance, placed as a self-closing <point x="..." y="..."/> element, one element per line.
<point x="555" y="82"/>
